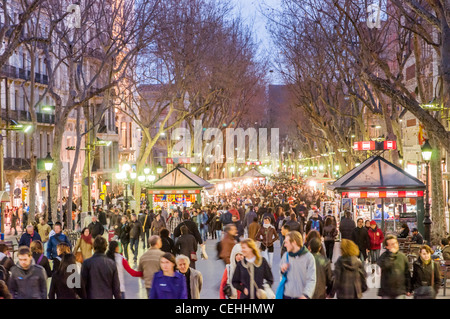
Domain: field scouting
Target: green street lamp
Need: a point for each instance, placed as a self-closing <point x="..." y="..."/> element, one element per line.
<point x="427" y="151"/>
<point x="159" y="169"/>
<point x="48" y="164"/>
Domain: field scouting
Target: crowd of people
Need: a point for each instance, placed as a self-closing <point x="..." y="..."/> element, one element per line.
<point x="246" y="224"/>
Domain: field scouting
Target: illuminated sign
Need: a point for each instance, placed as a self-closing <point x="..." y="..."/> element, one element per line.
<point x="383" y="194"/>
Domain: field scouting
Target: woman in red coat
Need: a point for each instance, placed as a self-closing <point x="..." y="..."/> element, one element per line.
<point x="376" y="238"/>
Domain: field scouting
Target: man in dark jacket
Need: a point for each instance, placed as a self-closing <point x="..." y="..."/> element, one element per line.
<point x="395" y="280"/>
<point x="95" y="227"/>
<point x="347" y="226"/>
<point x="294" y="225"/>
<point x="99" y="274"/>
<point x="192" y="226"/>
<point x="324" y="274"/>
<point x="27" y="280"/>
<point x="226" y="218"/>
<point x="416" y="237"/>
<point x="314" y="223"/>
<point x="102" y="217"/>
<point x="186" y="245"/>
<point x="135" y="234"/>
<point x="124" y="234"/>
<point x="29" y="236"/>
<point x="54" y="240"/>
<point x="361" y="238"/>
<point x="248" y="218"/>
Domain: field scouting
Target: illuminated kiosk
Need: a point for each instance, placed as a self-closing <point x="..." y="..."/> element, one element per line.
<point x="179" y="187"/>
<point x="379" y="190"/>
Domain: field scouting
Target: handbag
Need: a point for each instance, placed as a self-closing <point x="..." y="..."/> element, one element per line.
<point x="426" y="292"/>
<point x="193" y="256"/>
<point x="280" y="289"/>
<point x="79" y="257"/>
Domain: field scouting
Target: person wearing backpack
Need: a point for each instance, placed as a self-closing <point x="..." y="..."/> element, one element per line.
<point x="315" y="223"/>
<point x="5" y="263"/>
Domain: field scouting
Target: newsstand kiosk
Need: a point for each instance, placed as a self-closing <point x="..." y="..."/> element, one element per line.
<point x="178" y="188"/>
<point x="379" y="190"/>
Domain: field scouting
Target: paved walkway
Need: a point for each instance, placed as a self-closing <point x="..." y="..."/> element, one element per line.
<point x="212" y="271"/>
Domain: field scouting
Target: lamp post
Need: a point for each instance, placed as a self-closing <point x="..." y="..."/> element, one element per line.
<point x="159" y="169"/>
<point x="48" y="163"/>
<point x="427" y="151"/>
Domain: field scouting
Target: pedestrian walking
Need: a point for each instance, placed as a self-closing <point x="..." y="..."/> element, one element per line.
<point x="227" y="243"/>
<point x="426" y="277"/>
<point x="347" y="226"/>
<point x="349" y="273"/>
<point x="158" y="224"/>
<point x="149" y="263"/>
<point x="253" y="228"/>
<point x="168" y="283"/>
<point x="168" y="244"/>
<point x="99" y="273"/>
<point x="361" y="238"/>
<point x="95" y="227"/>
<point x="186" y="245"/>
<point x="44" y="230"/>
<point x="37" y="251"/>
<point x="27" y="280"/>
<point x="172" y="223"/>
<point x="226" y="289"/>
<point x="267" y="235"/>
<point x="376" y="239"/>
<point x="299" y="267"/>
<point x="395" y="280"/>
<point x="329" y="236"/>
<point x="60" y="285"/>
<point x="29" y="236"/>
<point x="135" y="234"/>
<point x="194" y="278"/>
<point x="252" y="276"/>
<point x="122" y="265"/>
<point x="324" y="274"/>
<point x="85" y="245"/>
<point x="54" y="240"/>
<point x="124" y="235"/>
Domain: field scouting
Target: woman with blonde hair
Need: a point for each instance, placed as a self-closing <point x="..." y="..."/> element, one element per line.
<point x="349" y="273"/>
<point x="251" y="272"/>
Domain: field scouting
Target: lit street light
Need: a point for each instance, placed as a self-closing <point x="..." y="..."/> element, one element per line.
<point x="427" y="151"/>
<point x="48" y="163"/>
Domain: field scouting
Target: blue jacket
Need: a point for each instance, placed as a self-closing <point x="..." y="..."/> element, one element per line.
<point x="53" y="242"/>
<point x="226" y="218"/>
<point x="26" y="239"/>
<point x="164" y="287"/>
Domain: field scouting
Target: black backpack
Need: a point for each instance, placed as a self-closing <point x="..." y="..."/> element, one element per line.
<point x="4" y="275"/>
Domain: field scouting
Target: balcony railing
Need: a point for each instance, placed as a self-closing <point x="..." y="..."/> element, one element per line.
<point x="25" y="116"/>
<point x="13" y="72"/>
<point x="16" y="164"/>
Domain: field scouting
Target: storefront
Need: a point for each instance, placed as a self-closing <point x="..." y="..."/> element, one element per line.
<point x="178" y="188"/>
<point x="378" y="190"/>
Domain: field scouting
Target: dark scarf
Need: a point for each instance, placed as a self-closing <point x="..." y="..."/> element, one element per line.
<point x="301" y="251"/>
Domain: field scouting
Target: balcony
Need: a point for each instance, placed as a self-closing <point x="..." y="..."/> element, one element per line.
<point x="25" y="116"/>
<point x="16" y="164"/>
<point x="13" y="72"/>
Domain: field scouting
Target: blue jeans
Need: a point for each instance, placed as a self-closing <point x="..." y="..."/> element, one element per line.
<point x="204" y="233"/>
<point x="134" y="244"/>
<point x="219" y="234"/>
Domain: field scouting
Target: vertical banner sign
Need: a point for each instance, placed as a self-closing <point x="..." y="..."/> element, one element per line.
<point x="373" y="19"/>
<point x="65" y="174"/>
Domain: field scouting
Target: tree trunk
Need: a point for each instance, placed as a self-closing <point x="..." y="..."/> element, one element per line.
<point x="438" y="227"/>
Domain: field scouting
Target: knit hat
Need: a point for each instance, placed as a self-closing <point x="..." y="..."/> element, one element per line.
<point x="373" y="222"/>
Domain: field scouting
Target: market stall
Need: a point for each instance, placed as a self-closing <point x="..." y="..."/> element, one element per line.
<point x="379" y="190"/>
<point x="252" y="177"/>
<point x="178" y="188"/>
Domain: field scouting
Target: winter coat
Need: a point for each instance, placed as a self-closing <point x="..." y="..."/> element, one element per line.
<point x="346" y="228"/>
<point x="44" y="231"/>
<point x="349" y="278"/>
<point x="195" y="283"/>
<point x="26" y="239"/>
<point x="324" y="277"/>
<point x="395" y="275"/>
<point x="185" y="245"/>
<point x="149" y="265"/>
<point x="136" y="229"/>
<point x="329" y="233"/>
<point x="43" y="262"/>
<point x="96" y="229"/>
<point x="361" y="238"/>
<point x="226" y="218"/>
<point x="193" y="230"/>
<point x="172" y="223"/>
<point x="241" y="277"/>
<point x="446" y="253"/>
<point x="248" y="219"/>
<point x="100" y="277"/>
<point x="167" y="245"/>
<point x="376" y="238"/>
<point x="86" y="249"/>
<point x="267" y="236"/>
<point x="124" y="233"/>
<point x="227" y="243"/>
<point x="53" y="242"/>
<point x="157" y="226"/>
<point x="60" y="290"/>
<point x="422" y="275"/>
<point x="165" y="287"/>
<point x="295" y="225"/>
<point x="28" y="283"/>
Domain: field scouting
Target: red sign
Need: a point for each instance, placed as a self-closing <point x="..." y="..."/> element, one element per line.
<point x="383" y="194"/>
<point x="178" y="160"/>
<point x="390" y="145"/>
<point x="364" y="146"/>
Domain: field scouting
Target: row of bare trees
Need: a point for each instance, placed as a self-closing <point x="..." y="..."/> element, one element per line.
<point x="340" y="72"/>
